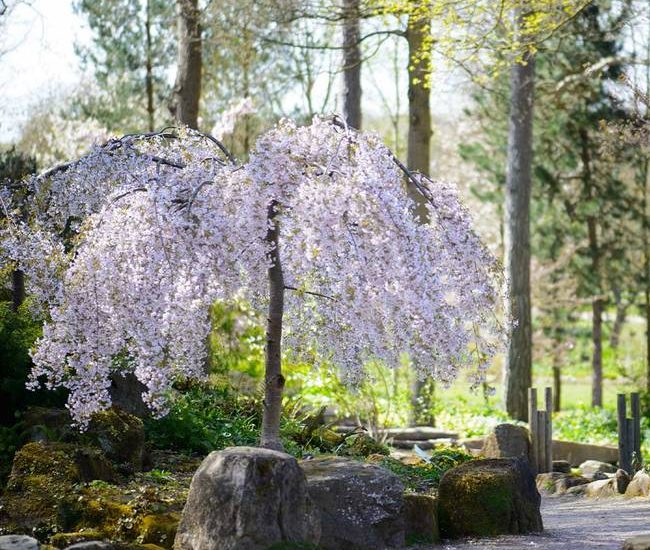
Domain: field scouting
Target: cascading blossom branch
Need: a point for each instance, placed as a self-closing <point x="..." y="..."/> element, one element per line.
<point x="316" y="231"/>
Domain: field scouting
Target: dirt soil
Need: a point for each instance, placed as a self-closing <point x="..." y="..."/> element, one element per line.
<point x="572" y="523"/>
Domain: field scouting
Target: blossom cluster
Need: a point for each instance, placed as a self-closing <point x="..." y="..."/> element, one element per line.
<point x="162" y="227"/>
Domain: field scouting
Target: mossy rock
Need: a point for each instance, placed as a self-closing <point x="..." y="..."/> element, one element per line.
<point x="488" y="498"/>
<point x="63" y="540"/>
<point x="120" y="435"/>
<point x="421" y="519"/>
<point x="361" y="444"/>
<point x="117" y="520"/>
<point x="159" y="529"/>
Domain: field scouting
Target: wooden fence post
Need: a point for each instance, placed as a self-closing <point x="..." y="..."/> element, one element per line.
<point x="629" y="433"/>
<point x="541" y="431"/>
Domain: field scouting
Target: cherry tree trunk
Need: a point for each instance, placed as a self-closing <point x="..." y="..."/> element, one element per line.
<point x="518" y="368"/>
<point x="352" y="64"/>
<point x="273" y="379"/>
<point x="419" y="157"/>
<point x="17" y="289"/>
<point x="187" y="88"/>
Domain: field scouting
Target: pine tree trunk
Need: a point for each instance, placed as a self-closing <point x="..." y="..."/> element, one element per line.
<point x="518" y="371"/>
<point x="273" y="379"/>
<point x="17" y="289"/>
<point x="419" y="150"/>
<point x="149" y="69"/>
<point x="187" y="88"/>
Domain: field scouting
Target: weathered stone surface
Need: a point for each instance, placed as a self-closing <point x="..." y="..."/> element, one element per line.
<point x="246" y="498"/>
<point x="18" y="542"/>
<point x="508" y="441"/>
<point x="577" y="453"/>
<point x="562" y="466"/>
<point x="487" y="498"/>
<point x="622" y="481"/>
<point x="590" y="467"/>
<point x="361" y="505"/>
<point x="556" y="483"/>
<point x="599" y="476"/>
<point x="640" y="542"/>
<point x="601" y="488"/>
<point x="126" y="393"/>
<point x="120" y="435"/>
<point x="92" y="545"/>
<point x="418" y="433"/>
<point x="421" y="518"/>
<point x="639" y="485"/>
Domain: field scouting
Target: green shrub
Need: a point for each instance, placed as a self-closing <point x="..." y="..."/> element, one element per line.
<point x="421" y="478"/>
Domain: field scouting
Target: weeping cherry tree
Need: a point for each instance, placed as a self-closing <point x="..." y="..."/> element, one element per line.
<point x="128" y="247"/>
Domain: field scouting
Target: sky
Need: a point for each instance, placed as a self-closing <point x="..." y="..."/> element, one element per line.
<point x="41" y="60"/>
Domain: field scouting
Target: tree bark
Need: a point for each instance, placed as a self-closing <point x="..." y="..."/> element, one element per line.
<point x="619" y="320"/>
<point x="17" y="289"/>
<point x="418" y="159"/>
<point x="273" y="379"/>
<point x="149" y="69"/>
<point x="419" y="99"/>
<point x="518" y="371"/>
<point x="557" y="388"/>
<point x="187" y="88"/>
<point x="352" y="64"/>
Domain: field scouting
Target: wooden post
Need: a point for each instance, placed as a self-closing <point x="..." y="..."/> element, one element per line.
<point x="624" y="461"/>
<point x="636" y="422"/>
<point x="548" y="430"/>
<point x="532" y="425"/>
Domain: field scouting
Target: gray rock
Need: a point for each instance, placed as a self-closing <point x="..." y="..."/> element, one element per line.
<point x="599" y="476"/>
<point x="246" y="498"/>
<point x="488" y="498"/>
<point x="91" y="545"/>
<point x="508" y="441"/>
<point x="361" y="505"/>
<point x="640" y="542"/>
<point x="639" y="485"/>
<point x="577" y="453"/>
<point x="601" y="488"/>
<point x="556" y="483"/>
<point x="622" y="481"/>
<point x="18" y="542"/>
<point x="126" y="393"/>
<point x="421" y="517"/>
<point x="562" y="466"/>
<point x="590" y="467"/>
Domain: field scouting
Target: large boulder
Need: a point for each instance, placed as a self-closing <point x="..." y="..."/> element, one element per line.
<point x="18" y="542"/>
<point x="577" y="453"/>
<point x="120" y="435"/>
<point x="487" y="498"/>
<point x="246" y="498"/>
<point x="508" y="441"/>
<point x="421" y="517"/>
<point x="361" y="504"/>
<point x="639" y="486"/>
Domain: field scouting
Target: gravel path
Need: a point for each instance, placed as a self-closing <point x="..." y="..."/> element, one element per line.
<point x="575" y="524"/>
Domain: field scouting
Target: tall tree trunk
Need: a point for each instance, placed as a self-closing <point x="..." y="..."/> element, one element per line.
<point x="619" y="319"/>
<point x="597" y="303"/>
<point x="273" y="379"/>
<point x="17" y="289"/>
<point x="187" y="88"/>
<point x="149" y="69"/>
<point x="352" y="64"/>
<point x="418" y="159"/>
<point x="518" y="368"/>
